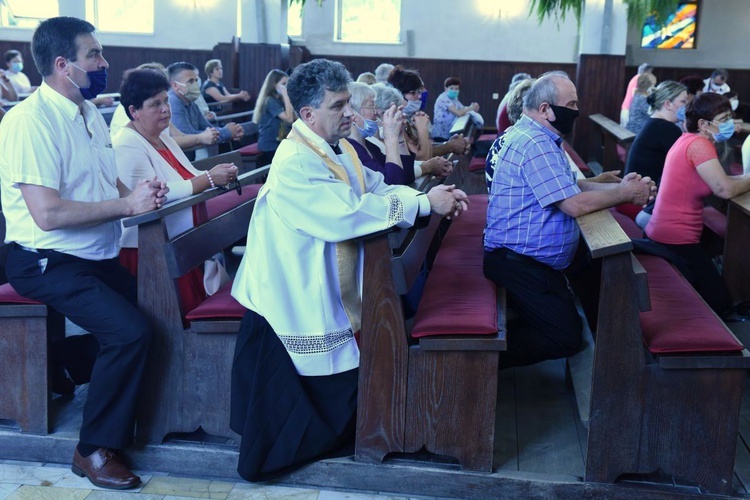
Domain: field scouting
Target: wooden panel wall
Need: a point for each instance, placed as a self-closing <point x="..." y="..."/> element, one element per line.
<point x="597" y="78"/>
<point x="256" y="60"/>
<point x="119" y="59"/>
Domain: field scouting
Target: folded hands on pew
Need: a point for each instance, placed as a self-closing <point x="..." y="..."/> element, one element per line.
<point x="460" y="145"/>
<point x="448" y="201"/>
<point x="642" y="190"/>
<point x="437" y="166"/>
<point x="147" y="195"/>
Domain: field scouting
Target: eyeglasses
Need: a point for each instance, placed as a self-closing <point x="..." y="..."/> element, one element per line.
<point x="726" y="119"/>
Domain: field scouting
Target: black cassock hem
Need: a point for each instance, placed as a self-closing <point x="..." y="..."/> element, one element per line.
<point x="286" y="420"/>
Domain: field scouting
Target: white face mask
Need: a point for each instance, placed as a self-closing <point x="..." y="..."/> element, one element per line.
<point x="735" y="103"/>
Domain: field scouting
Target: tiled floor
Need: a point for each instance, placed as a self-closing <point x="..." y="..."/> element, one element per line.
<point x="36" y="481"/>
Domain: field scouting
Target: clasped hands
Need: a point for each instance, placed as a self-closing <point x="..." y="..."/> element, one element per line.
<point x="147" y="195"/>
<point x="448" y="201"/>
<point x="641" y="190"/>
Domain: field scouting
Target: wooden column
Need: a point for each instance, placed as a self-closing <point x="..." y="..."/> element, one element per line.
<point x="598" y="79"/>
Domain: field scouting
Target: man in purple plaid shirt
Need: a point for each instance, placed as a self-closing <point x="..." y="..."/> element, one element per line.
<point x="531" y="234"/>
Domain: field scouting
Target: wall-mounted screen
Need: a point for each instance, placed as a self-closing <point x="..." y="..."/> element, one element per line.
<point x="676" y="32"/>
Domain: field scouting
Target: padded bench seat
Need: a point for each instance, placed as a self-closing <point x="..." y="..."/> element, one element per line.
<point x="679" y="320"/>
<point x="9" y="296"/>
<point x="26" y="329"/>
<point x="227" y="201"/>
<point x="458" y="299"/>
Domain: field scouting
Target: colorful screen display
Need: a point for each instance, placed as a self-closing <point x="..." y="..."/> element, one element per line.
<point x="676" y="32"/>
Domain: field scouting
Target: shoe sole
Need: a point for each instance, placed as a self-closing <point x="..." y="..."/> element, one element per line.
<point x="80" y="473"/>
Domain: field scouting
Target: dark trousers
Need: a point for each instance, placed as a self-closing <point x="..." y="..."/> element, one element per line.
<point x="285" y="419"/>
<point x="705" y="277"/>
<point x="549" y="326"/>
<point x="100" y="297"/>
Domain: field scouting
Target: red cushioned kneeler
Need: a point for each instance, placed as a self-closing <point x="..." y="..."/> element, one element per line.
<point x="249" y="150"/>
<point x="477" y="163"/>
<point x="217" y="306"/>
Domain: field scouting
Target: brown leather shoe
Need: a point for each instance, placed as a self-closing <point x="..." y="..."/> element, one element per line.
<point x="105" y="470"/>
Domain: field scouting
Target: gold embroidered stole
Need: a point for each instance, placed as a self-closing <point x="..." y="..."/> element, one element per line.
<point x="346" y="251"/>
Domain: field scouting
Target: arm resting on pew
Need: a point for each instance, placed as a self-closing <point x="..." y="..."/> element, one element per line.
<point x="721" y="184"/>
<point x="597" y="196"/>
<point x="170" y="208"/>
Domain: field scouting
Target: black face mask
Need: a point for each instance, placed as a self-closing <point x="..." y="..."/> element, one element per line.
<point x="564" y="119"/>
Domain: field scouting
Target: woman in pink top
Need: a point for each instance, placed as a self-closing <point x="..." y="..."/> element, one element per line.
<point x="691" y="172"/>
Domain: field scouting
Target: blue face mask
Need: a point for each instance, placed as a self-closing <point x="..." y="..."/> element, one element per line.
<point x="412" y="107"/>
<point x="452" y="94"/>
<point x="726" y="130"/>
<point x="371" y="126"/>
<point x="97" y="82"/>
<point x="16" y="67"/>
<point x="681" y="114"/>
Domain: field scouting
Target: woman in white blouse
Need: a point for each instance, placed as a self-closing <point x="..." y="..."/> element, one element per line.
<point x="144" y="149"/>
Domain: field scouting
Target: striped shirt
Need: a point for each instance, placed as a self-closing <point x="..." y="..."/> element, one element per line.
<point x="532" y="175"/>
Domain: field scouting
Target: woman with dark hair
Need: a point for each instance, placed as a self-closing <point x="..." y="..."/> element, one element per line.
<point x="417" y="130"/>
<point x="144" y="149"/>
<point x="691" y="172"/>
<point x="693" y="84"/>
<point x="448" y="108"/>
<point x="273" y="114"/>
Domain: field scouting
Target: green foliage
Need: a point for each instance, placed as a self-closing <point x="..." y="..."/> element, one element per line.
<point x="638" y="10"/>
<point x="556" y="9"/>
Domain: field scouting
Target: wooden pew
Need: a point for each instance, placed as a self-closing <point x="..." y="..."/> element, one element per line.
<point x="612" y="136"/>
<point x="189" y="369"/>
<point x="674" y="405"/>
<point x="26" y="330"/>
<point x="436" y="392"/>
<point x="736" y="265"/>
<point x="210" y="162"/>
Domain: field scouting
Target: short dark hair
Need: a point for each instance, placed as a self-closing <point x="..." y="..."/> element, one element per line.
<point x="138" y="85"/>
<point x="693" y="84"/>
<point x="174" y="69"/>
<point x="309" y="81"/>
<point x="724" y="74"/>
<point x="705" y="106"/>
<point x="405" y="80"/>
<point x="11" y="54"/>
<point x="451" y="80"/>
<point x="56" y="37"/>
